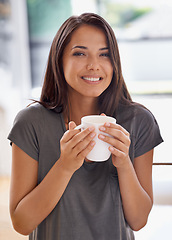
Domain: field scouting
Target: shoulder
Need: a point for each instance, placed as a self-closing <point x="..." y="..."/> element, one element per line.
<point x="28" y="121"/>
<point x="30" y="113"/>
<point x="143" y="123"/>
<point x="35" y="113"/>
<point x="144" y="130"/>
<point x="141" y="113"/>
<point x="135" y="117"/>
<point x="134" y="111"/>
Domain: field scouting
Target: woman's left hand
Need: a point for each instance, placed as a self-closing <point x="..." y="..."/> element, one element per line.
<point x="119" y="141"/>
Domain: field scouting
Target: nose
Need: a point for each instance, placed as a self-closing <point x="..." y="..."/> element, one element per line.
<point x="93" y="64"/>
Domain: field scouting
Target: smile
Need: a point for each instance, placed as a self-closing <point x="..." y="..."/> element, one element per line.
<point x="92" y="79"/>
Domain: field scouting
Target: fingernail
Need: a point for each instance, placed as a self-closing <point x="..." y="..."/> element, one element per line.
<point x="102" y="128"/>
<point x="93" y="135"/>
<point x="92" y="143"/>
<point x="91" y="129"/>
<point x="107" y="124"/>
<point x="101" y="136"/>
<point x="111" y="148"/>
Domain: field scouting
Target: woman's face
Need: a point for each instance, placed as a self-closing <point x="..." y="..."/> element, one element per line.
<point x="86" y="63"/>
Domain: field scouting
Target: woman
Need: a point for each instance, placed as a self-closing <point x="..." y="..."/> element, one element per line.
<point x="56" y="193"/>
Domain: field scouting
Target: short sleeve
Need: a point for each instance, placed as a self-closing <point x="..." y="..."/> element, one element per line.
<point x="25" y="132"/>
<point x="147" y="133"/>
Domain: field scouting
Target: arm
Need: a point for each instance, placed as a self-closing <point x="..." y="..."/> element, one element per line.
<point x="30" y="203"/>
<point x="136" y="190"/>
<point x="135" y="182"/>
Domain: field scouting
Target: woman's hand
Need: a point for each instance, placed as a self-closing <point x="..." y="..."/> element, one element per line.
<point x="119" y="141"/>
<point x="75" y="146"/>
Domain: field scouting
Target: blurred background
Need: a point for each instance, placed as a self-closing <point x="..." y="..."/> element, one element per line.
<point x="144" y="34"/>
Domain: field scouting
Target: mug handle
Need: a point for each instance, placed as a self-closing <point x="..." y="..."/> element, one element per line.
<point x="79" y="126"/>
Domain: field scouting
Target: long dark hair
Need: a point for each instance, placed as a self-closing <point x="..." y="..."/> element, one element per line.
<point x="54" y="91"/>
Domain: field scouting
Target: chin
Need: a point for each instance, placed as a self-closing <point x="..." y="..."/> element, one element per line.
<point x="94" y="95"/>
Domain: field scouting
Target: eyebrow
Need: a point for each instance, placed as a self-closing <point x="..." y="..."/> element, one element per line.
<point x="83" y="47"/>
<point x="105" y="48"/>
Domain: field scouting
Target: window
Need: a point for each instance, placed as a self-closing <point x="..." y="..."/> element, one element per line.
<point x="44" y="19"/>
<point x="143" y="30"/>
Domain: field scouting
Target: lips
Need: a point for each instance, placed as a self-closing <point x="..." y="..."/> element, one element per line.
<point x="92" y="79"/>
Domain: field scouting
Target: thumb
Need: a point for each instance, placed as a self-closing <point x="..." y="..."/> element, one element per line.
<point x="102" y="114"/>
<point x="72" y="125"/>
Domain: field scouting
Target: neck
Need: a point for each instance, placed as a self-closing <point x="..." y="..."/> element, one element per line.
<point x="81" y="106"/>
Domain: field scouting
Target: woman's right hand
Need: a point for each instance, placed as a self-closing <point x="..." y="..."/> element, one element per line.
<point x="75" y="146"/>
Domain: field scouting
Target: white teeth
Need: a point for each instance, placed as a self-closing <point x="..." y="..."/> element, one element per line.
<point x="91" y="79"/>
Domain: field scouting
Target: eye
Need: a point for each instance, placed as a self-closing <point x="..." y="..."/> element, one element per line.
<point x="105" y="54"/>
<point x="78" y="54"/>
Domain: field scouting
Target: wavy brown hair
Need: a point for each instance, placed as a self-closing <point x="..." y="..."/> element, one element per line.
<point x="54" y="92"/>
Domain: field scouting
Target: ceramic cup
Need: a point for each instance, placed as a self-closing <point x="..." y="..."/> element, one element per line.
<point x="100" y="152"/>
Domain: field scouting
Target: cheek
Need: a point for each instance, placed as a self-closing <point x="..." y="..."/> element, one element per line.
<point x="70" y="65"/>
<point x="110" y="71"/>
<point x="107" y="66"/>
<point x="68" y="70"/>
<point x="67" y="66"/>
<point x="70" y="74"/>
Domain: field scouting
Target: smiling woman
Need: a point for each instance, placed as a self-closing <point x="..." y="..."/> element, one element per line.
<point x="106" y="51"/>
<point x="81" y="199"/>
<point x="86" y="61"/>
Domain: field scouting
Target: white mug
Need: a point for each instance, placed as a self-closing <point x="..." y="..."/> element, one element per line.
<point x="100" y="152"/>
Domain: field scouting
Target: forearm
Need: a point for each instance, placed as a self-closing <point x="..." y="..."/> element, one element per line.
<point x="38" y="204"/>
<point x="136" y="202"/>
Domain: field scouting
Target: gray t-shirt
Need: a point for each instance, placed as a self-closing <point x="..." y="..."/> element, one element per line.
<point x="91" y="206"/>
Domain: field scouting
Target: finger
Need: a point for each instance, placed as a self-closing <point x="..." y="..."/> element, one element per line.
<point x="116" y="126"/>
<point x="117" y="138"/>
<point x="117" y="152"/>
<point x="83" y="137"/>
<point x="83" y="144"/>
<point x="114" y="142"/>
<point x="86" y="150"/>
<point x="102" y="114"/>
<point x="71" y="132"/>
<point x="108" y="127"/>
<point x="72" y="125"/>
